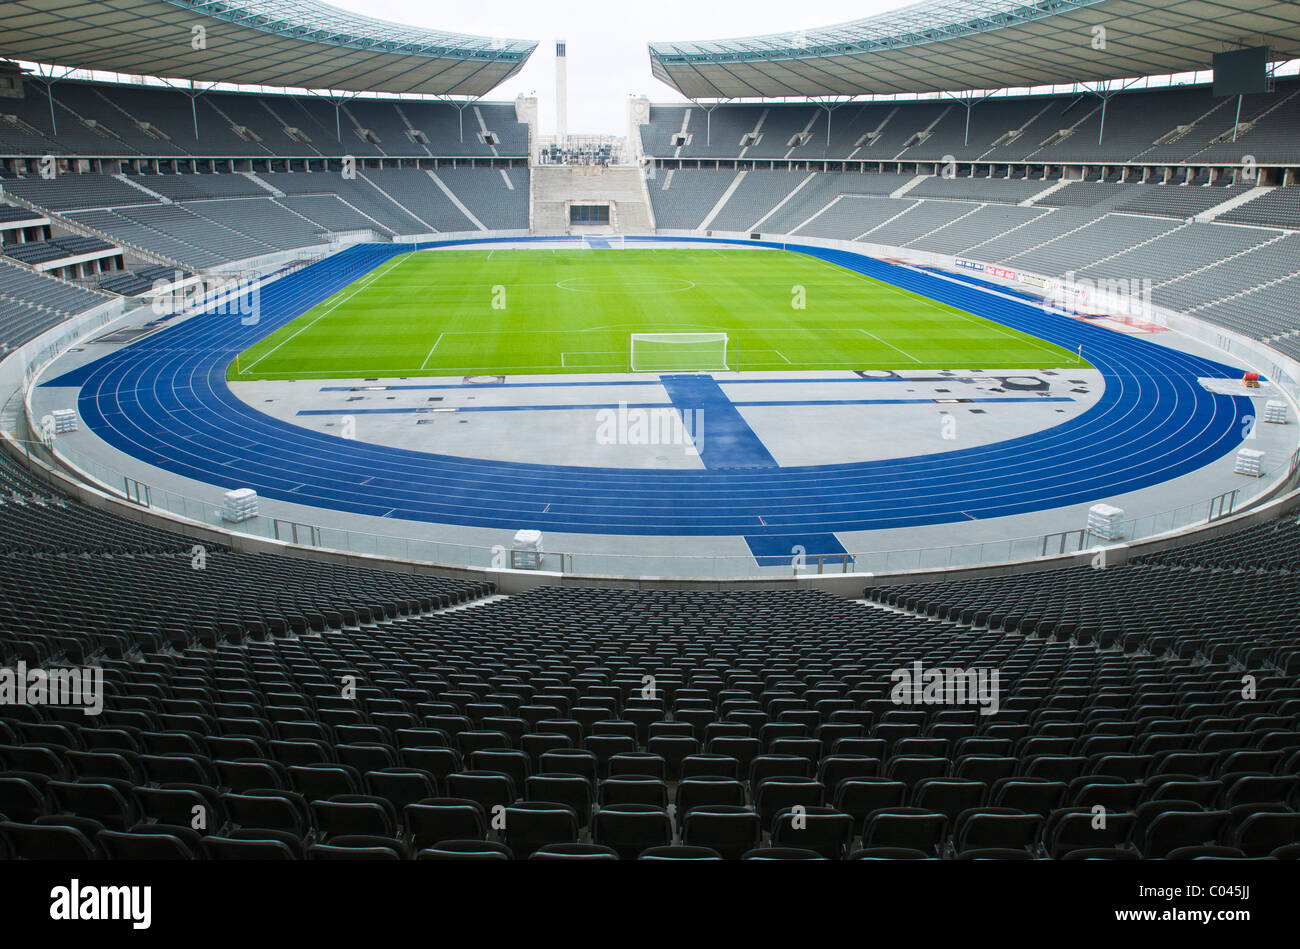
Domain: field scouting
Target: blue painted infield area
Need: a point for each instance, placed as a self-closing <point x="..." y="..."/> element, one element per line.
<point x="722" y="437"/>
<point x="803" y="549"/>
<point x="165" y="401"/>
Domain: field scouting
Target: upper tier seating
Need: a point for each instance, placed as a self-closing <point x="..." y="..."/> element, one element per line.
<point x="1002" y="129"/>
<point x="210" y="219"/>
<point x="127" y="120"/>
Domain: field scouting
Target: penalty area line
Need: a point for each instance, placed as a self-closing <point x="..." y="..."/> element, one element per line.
<point x="581" y="352"/>
<point x="425" y="364"/>
<point x="901" y="352"/>
<point x="361" y="285"/>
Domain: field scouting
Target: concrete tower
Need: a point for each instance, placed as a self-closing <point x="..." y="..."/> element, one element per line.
<point x="561" y="95"/>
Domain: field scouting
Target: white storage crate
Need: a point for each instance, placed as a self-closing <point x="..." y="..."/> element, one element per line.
<point x="65" y="420"/>
<point x="1106" y="521"/>
<point x="526" y="551"/>
<point x="241" y="505"/>
<point x="1250" y="462"/>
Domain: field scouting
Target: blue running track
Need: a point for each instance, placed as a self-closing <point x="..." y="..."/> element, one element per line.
<point x="165" y="401"/>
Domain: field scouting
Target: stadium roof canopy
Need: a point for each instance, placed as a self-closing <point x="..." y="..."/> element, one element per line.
<point x="959" y="45"/>
<point x="298" y="43"/>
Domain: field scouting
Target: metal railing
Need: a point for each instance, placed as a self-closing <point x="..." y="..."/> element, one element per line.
<point x="1222" y="505"/>
<point x="877" y="561"/>
<point x="137" y="492"/>
<point x="1061" y="541"/>
<point x="294" y="532"/>
<point x="802" y="562"/>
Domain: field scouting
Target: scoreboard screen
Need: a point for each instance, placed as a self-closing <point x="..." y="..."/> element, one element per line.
<point x="1241" y="72"/>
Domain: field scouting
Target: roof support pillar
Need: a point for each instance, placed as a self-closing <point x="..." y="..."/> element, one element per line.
<point x="50" y="80"/>
<point x="460" y="106"/>
<point x="1105" y="91"/>
<point x="337" y="101"/>
<point x="969" y="100"/>
<point x="830" y="108"/>
<point x="708" y="118"/>
<point x="193" y="91"/>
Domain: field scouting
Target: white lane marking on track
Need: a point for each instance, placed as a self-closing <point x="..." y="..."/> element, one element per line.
<point x="1135" y="417"/>
<point x="253" y="415"/>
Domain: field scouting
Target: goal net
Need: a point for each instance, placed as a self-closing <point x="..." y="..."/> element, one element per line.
<point x="679" y="352"/>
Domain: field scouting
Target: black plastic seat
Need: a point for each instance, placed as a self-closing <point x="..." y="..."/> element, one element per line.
<point x="346" y="814"/>
<point x="912" y="827"/>
<point x="729" y="829"/>
<point x="335" y="851"/>
<point x="237" y="848"/>
<point x="530" y="825"/>
<point x="631" y="828"/>
<point x="571" y="790"/>
<point x="437" y="819"/>
<point x="489" y="850"/>
<point x="1003" y="828"/>
<point x="48" y="842"/>
<point x="679" y="852"/>
<point x="782" y="853"/>
<point x="142" y="845"/>
<point x="889" y="853"/>
<point x="578" y="851"/>
<point x="822" y="829"/>
<point x="269" y="809"/>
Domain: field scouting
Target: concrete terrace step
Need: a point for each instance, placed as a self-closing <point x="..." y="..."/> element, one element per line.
<point x="554" y="187"/>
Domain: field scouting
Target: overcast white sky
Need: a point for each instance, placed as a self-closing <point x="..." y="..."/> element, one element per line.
<point x="607" y="41"/>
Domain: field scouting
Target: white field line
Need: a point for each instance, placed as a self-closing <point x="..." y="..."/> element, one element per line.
<point x="942" y="307"/>
<point x="902" y="352"/>
<point x="777" y="351"/>
<point x="361" y="285"/>
<point x="431" y="349"/>
<point x="580" y="352"/>
<point x="389" y="372"/>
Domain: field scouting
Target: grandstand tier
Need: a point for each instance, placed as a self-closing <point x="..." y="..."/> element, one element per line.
<point x="221" y="689"/>
<point x="299" y="685"/>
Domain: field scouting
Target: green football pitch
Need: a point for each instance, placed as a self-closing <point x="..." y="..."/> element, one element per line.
<point x="478" y="312"/>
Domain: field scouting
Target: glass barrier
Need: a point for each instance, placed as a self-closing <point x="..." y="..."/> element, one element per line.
<point x="445" y="553"/>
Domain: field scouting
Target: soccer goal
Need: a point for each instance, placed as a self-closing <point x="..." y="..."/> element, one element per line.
<point x="679" y="352"/>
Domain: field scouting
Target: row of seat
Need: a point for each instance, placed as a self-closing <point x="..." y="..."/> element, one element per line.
<point x="308" y="709"/>
<point x="272" y="824"/>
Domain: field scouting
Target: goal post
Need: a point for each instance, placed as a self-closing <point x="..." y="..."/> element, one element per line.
<point x="678" y="352"/>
